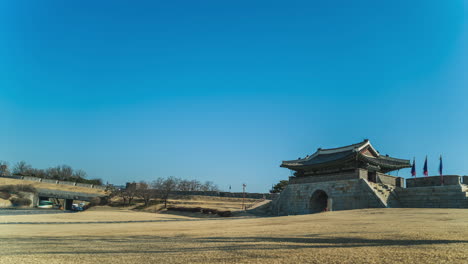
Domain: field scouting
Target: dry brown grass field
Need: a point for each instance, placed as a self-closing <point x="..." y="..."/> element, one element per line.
<point x="357" y="236"/>
<point x="7" y="181"/>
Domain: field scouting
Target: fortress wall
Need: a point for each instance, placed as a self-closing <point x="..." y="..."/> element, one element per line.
<point x="433" y="181"/>
<point x="100" y="187"/>
<point x="448" y="196"/>
<point x="28" y="178"/>
<point x="345" y="195"/>
<point x="67" y="183"/>
<point x="12" y="177"/>
<point x="227" y="194"/>
<point x="85" y="185"/>
<point x="49" y="181"/>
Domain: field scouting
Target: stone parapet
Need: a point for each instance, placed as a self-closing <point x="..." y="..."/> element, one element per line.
<point x="448" y="196"/>
<point x="433" y="181"/>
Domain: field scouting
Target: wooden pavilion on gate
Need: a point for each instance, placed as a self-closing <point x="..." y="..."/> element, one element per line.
<point x="342" y="160"/>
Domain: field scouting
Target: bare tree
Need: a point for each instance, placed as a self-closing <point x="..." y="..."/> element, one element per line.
<point x="184" y="185"/>
<point x="22" y="168"/>
<point x="37" y="173"/>
<point x="164" y="187"/>
<point x="144" y="191"/>
<point x="4" y="170"/>
<point x="79" y="174"/>
<point x="66" y="172"/>
<point x="209" y="186"/>
<point x="63" y="172"/>
<point x="195" y="185"/>
<point x="127" y="195"/>
<point x="130" y="194"/>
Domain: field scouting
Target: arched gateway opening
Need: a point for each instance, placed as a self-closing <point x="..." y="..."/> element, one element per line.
<point x="318" y="201"/>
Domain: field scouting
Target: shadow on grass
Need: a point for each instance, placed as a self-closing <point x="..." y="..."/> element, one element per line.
<point x="181" y="244"/>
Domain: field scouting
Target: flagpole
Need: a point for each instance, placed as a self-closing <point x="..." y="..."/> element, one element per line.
<point x="413" y="168"/>
<point x="440" y="171"/>
<point x="425" y="168"/>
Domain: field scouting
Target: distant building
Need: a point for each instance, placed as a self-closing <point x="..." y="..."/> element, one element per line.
<point x="133" y="185"/>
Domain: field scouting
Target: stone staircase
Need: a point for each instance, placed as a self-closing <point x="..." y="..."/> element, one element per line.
<point x="386" y="194"/>
<point x="465" y="190"/>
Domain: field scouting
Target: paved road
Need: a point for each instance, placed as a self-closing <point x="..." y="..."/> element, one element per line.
<point x="31" y="211"/>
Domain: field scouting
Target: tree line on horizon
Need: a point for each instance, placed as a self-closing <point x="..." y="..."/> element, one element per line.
<point x="60" y="172"/>
<point x="161" y="188"/>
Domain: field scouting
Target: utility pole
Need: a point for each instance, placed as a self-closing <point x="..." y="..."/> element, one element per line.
<point x="243" y="196"/>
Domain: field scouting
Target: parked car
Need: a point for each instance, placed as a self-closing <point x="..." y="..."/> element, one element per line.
<point x="76" y="207"/>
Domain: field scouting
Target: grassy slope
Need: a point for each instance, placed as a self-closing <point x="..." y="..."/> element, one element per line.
<point x="7" y="181"/>
<point x="358" y="236"/>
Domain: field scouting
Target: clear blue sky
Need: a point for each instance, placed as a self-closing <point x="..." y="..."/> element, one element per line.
<point x="226" y="90"/>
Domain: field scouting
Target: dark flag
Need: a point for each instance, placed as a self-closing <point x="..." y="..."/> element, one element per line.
<point x="440" y="171"/>
<point x="426" y="173"/>
<point x="413" y="169"/>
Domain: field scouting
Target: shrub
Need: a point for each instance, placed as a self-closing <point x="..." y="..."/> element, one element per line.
<point x="209" y="211"/>
<point x="95" y="201"/>
<point x="19" y="201"/>
<point x="5" y="195"/>
<point x="200" y="210"/>
<point x="104" y="200"/>
<point x="225" y="213"/>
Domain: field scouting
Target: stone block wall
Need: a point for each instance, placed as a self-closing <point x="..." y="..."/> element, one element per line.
<point x="344" y="195"/>
<point x="447" y="196"/>
<point x="465" y="180"/>
<point x="432" y="181"/>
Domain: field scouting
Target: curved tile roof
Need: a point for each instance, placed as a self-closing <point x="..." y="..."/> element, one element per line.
<point x="333" y="156"/>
